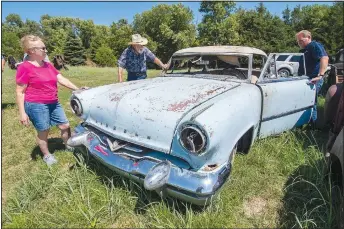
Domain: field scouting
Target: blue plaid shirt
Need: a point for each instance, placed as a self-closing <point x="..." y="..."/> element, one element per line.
<point x="134" y="62"/>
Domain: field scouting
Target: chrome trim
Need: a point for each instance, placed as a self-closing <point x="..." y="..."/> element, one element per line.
<point x="195" y="187"/>
<point x="183" y="138"/>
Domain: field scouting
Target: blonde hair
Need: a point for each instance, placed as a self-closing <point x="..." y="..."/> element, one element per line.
<point x="305" y="33"/>
<point x="26" y="41"/>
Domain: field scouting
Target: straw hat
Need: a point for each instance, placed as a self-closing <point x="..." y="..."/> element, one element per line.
<point x="137" y="39"/>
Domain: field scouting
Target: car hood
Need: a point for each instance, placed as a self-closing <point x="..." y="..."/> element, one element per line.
<point x="146" y="112"/>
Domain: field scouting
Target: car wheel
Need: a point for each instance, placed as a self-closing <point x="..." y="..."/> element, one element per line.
<point x="284" y="72"/>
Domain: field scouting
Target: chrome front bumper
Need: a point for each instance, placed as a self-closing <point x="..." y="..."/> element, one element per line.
<point x="194" y="187"/>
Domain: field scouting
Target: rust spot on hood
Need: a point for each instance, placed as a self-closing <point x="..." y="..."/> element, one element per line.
<point x="212" y="91"/>
<point x="180" y="106"/>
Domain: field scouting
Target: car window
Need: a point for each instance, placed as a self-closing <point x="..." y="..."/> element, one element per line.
<point x="274" y="71"/>
<point x="295" y="59"/>
<point x="282" y="57"/>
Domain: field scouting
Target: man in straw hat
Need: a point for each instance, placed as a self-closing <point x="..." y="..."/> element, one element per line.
<point x="134" y="58"/>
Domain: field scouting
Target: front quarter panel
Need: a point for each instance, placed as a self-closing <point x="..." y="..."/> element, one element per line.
<point x="226" y="120"/>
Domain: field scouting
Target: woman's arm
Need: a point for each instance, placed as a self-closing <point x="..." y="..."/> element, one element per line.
<point x="20" y="93"/>
<point x="66" y="83"/>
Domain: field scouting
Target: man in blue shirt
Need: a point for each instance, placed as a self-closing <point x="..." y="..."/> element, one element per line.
<point x="316" y="60"/>
<point x="134" y="58"/>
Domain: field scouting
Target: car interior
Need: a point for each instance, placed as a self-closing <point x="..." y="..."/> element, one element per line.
<point x="231" y="66"/>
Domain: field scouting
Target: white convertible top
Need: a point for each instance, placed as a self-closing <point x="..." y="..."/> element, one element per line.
<point x="219" y="50"/>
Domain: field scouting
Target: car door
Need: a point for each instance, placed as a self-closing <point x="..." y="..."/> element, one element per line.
<point x="286" y="102"/>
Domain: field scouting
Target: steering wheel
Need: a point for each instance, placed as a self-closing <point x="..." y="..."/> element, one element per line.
<point x="235" y="71"/>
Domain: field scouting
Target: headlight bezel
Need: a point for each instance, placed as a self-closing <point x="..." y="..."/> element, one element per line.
<point x="79" y="110"/>
<point x="188" y="129"/>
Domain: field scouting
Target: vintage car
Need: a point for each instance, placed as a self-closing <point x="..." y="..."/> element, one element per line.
<point x="178" y="133"/>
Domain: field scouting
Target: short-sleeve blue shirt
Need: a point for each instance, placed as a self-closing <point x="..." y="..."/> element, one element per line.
<point x="134" y="62"/>
<point x="313" y="52"/>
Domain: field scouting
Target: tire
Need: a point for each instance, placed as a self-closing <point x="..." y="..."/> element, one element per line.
<point x="283" y="72"/>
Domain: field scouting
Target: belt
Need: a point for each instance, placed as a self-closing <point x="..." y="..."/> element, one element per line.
<point x="137" y="73"/>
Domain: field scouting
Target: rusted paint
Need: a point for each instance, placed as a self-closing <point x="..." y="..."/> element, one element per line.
<point x="212" y="91"/>
<point x="210" y="167"/>
<point x="180" y="106"/>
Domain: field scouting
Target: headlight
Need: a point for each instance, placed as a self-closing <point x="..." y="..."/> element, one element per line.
<point x="193" y="139"/>
<point x="76" y="106"/>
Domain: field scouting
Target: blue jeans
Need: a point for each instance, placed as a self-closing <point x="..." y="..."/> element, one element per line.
<point x="318" y="86"/>
<point x="136" y="76"/>
<point x="43" y="116"/>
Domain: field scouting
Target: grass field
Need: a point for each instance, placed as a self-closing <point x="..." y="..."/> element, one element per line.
<point x="280" y="183"/>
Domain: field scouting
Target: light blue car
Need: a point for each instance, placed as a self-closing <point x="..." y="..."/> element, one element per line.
<point x="178" y="133"/>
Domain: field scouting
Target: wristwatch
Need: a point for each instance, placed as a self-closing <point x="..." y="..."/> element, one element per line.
<point x="322" y="76"/>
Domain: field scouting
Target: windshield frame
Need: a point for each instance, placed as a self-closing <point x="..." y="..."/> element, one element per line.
<point x="191" y="54"/>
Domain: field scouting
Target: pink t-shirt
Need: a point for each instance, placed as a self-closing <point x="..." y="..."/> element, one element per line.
<point x="41" y="82"/>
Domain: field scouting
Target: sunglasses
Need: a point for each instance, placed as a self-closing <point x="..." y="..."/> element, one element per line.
<point x="41" y="48"/>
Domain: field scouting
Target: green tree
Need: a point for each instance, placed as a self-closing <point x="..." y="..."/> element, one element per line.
<point x="14" y="20"/>
<point x="55" y="30"/>
<point x="259" y="28"/>
<point x="333" y="31"/>
<point x="120" y="36"/>
<point x="219" y="26"/>
<point x="86" y="32"/>
<point x="31" y="27"/>
<point x="56" y="42"/>
<point x="10" y="45"/>
<point x="167" y="27"/>
<point x="105" y="57"/>
<point x="101" y="38"/>
<point x="73" y="50"/>
<point x="286" y="15"/>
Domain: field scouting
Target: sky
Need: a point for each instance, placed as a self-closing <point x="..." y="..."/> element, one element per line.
<point x="104" y="13"/>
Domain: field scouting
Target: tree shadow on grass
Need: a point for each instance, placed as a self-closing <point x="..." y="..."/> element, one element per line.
<point x="53" y="145"/>
<point x="145" y="198"/>
<point x="307" y="200"/>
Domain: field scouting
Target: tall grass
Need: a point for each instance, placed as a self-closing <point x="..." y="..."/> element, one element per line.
<point x="282" y="182"/>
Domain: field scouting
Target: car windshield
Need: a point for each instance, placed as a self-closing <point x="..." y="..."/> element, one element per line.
<point x="219" y="67"/>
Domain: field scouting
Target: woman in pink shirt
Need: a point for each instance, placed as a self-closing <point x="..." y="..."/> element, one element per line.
<point x="37" y="95"/>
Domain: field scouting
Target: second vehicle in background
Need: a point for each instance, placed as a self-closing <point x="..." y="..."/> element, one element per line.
<point x="287" y="65"/>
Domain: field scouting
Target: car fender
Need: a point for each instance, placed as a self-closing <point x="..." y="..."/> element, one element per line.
<point x="224" y="120"/>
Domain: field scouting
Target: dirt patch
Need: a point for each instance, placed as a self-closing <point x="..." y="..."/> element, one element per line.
<point x="255" y="206"/>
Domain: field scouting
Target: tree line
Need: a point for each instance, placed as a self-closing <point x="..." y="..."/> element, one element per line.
<point x="169" y="28"/>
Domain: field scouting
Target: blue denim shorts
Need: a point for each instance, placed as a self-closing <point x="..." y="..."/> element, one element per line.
<point x="43" y="116"/>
